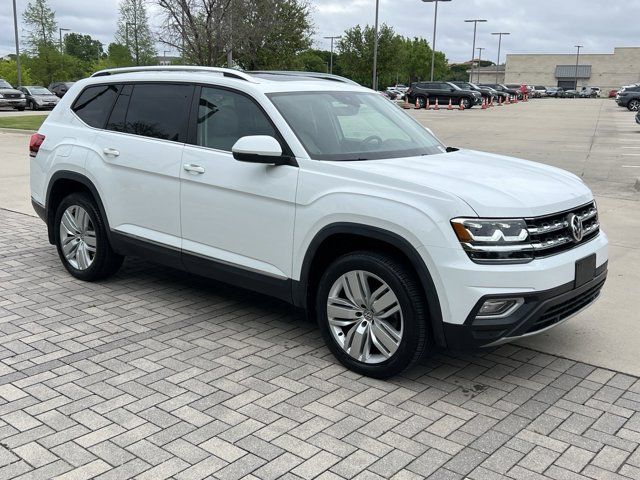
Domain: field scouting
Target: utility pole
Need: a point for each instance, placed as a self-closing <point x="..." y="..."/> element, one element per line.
<point x="479" y="60"/>
<point x="331" y="57"/>
<point x="577" y="60"/>
<point x="15" y="30"/>
<point x="374" y="80"/>
<point x="473" y="48"/>
<point x="60" y="30"/>
<point x="500" y="34"/>
<point x="435" y="22"/>
<point x="230" y="51"/>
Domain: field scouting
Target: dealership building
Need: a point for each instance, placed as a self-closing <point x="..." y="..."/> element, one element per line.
<point x="604" y="70"/>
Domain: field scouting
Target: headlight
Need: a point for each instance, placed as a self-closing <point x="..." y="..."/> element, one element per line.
<point x="1" y="95"/>
<point x="494" y="240"/>
<point x="22" y="95"/>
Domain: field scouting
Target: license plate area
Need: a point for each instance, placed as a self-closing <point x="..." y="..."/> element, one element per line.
<point x="585" y="270"/>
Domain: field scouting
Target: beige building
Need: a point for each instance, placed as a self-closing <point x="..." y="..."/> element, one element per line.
<point x="604" y="70"/>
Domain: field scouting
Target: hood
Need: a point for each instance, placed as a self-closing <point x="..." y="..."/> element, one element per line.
<point x="10" y="90"/>
<point x="493" y="185"/>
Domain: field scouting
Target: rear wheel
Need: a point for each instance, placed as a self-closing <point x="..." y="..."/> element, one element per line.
<point x="372" y="314"/>
<point x="634" y="105"/>
<point x="466" y="103"/>
<point x="81" y="239"/>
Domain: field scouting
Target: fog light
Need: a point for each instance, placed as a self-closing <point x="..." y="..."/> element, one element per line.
<point x="499" y="307"/>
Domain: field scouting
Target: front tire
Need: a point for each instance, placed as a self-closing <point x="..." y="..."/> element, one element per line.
<point x="372" y="314"/>
<point x="634" y="105"/>
<point x="80" y="235"/>
<point x="466" y="103"/>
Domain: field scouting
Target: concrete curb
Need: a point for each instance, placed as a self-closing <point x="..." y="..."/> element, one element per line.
<point x="17" y="130"/>
<point x="637" y="185"/>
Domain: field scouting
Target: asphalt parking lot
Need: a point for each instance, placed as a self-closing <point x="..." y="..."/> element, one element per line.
<point x="157" y="374"/>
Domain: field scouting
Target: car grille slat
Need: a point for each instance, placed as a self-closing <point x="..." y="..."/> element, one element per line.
<point x="551" y="234"/>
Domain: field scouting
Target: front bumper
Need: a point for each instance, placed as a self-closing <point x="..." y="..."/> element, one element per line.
<point x="13" y="102"/>
<point x="540" y="311"/>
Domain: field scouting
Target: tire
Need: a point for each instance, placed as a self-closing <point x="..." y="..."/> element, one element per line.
<point x="422" y="101"/>
<point x="634" y="105"/>
<point x="392" y="340"/>
<point x="34" y="107"/>
<point x="20" y="109"/>
<point x="466" y="103"/>
<point x="92" y="258"/>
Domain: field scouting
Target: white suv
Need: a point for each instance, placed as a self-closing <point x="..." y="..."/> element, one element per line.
<point x="323" y="194"/>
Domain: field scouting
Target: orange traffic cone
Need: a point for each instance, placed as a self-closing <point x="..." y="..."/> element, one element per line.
<point x="484" y="105"/>
<point x="417" y="104"/>
<point x="427" y="106"/>
<point x="515" y="98"/>
<point x="436" y="107"/>
<point x="508" y="99"/>
<point x="461" y="107"/>
<point x="491" y="102"/>
<point x="450" y="107"/>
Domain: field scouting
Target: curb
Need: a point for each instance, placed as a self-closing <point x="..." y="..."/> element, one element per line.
<point x="17" y="130"/>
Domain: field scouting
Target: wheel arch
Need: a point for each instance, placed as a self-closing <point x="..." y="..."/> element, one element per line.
<point x="61" y="184"/>
<point x="339" y="238"/>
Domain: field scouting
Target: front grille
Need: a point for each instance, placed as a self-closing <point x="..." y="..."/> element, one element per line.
<point x="565" y="309"/>
<point x="11" y="95"/>
<point x="551" y="234"/>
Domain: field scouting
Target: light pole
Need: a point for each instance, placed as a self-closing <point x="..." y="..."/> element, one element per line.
<point x="15" y="30"/>
<point x="164" y="57"/>
<point x="500" y="34"/>
<point x="331" y="57"/>
<point x="473" y="49"/>
<point x="60" y="30"/>
<point x="374" y="80"/>
<point x="577" y="60"/>
<point x="435" y="22"/>
<point x="479" y="61"/>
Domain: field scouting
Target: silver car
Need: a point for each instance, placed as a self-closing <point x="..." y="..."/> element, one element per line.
<point x="10" y="97"/>
<point x="39" y="97"/>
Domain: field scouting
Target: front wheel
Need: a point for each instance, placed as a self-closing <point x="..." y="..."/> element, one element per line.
<point x="81" y="239"/>
<point x="634" y="105"/>
<point x="466" y="103"/>
<point x="372" y="314"/>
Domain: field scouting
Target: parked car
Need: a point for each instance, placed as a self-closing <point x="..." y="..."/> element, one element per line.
<point x="589" y="92"/>
<point x="554" y="91"/>
<point x="500" y="88"/>
<point x="488" y="94"/>
<point x="613" y="93"/>
<point x="516" y="87"/>
<point x="320" y="193"/>
<point x="443" y="92"/>
<point x="39" y="97"/>
<point x="629" y="97"/>
<point x="400" y="87"/>
<point x="571" y="93"/>
<point x="10" y="97"/>
<point x="60" y="88"/>
<point x="539" y="91"/>
<point x="638" y="117"/>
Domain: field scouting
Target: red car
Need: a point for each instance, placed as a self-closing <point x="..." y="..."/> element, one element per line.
<point x="612" y="93"/>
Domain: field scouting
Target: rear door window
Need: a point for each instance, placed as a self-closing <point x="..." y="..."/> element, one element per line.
<point x="94" y="104"/>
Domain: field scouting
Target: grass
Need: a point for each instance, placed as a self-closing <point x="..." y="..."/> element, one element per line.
<point x="23" y="122"/>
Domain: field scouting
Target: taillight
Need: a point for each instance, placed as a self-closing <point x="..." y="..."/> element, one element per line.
<point x="34" y="144"/>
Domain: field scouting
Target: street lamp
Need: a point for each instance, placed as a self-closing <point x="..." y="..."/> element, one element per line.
<point x="435" y="22"/>
<point x="577" y="59"/>
<point x="473" y="49"/>
<point x="374" y="80"/>
<point x="500" y="34"/>
<point x="164" y="57"/>
<point x="331" y="57"/>
<point x="479" y="61"/>
<point x="15" y="29"/>
<point x="60" y="30"/>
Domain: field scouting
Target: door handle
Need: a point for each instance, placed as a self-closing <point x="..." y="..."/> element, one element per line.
<point x="193" y="168"/>
<point x="111" y="152"/>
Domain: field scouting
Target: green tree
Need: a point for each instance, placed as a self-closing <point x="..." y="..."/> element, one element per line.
<point x="9" y="72"/>
<point x="82" y="47"/>
<point x="40" y="23"/>
<point x="134" y="32"/>
<point x="117" y="56"/>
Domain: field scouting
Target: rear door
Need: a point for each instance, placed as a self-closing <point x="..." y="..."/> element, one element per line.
<point x="139" y="161"/>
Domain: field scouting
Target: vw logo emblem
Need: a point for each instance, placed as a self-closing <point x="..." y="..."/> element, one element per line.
<point x="575" y="226"/>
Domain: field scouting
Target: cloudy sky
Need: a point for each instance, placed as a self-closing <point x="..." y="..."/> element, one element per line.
<point x="538" y="26"/>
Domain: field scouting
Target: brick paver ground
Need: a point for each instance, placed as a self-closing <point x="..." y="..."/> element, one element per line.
<point x="154" y="374"/>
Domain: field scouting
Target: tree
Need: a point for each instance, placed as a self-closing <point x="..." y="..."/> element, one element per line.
<point x="40" y="22"/>
<point x="135" y="33"/>
<point x="258" y="33"/>
<point x="9" y="72"/>
<point x="82" y="47"/>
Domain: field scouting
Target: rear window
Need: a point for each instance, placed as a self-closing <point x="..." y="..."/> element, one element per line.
<point x="94" y="104"/>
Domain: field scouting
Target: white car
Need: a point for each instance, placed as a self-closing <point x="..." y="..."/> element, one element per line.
<point x="320" y="193"/>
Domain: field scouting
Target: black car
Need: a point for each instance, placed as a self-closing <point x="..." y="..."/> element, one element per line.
<point x="487" y="93"/>
<point x="39" y="97"/>
<point x="443" y="92"/>
<point x="629" y="97"/>
<point x="60" y="88"/>
<point x="502" y="88"/>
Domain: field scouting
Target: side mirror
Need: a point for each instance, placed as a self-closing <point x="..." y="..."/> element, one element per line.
<point x="259" y="149"/>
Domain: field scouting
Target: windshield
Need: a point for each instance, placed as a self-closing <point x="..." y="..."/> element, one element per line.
<point x="5" y="84"/>
<point x="353" y="126"/>
<point x="39" y="91"/>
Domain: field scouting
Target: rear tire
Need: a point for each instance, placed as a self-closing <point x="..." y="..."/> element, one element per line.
<point x="634" y="105"/>
<point x="466" y="103"/>
<point x="80" y="235"/>
<point x="372" y="314"/>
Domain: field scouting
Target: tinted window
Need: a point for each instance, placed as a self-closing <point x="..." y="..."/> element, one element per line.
<point x="225" y="116"/>
<point x="94" y="104"/>
<point x="157" y="111"/>
<point x="119" y="113"/>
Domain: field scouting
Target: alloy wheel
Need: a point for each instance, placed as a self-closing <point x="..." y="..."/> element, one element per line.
<point x="77" y="237"/>
<point x="634" y="105"/>
<point x="365" y="317"/>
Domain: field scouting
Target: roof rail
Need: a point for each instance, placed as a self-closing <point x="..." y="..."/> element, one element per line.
<point x="227" y="72"/>
<point x="313" y="75"/>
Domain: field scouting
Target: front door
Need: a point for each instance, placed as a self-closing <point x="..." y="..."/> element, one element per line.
<point x="237" y="217"/>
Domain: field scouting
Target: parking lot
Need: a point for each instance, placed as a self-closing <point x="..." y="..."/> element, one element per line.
<point x="159" y="374"/>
